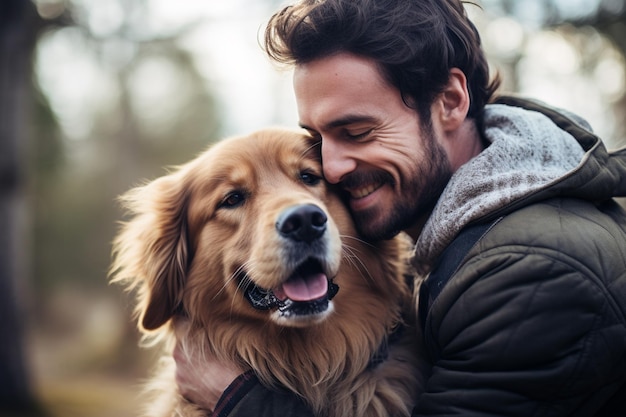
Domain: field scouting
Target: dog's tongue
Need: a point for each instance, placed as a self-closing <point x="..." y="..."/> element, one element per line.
<point x="307" y="288"/>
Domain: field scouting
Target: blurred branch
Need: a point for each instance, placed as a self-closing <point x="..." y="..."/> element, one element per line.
<point x="609" y="19"/>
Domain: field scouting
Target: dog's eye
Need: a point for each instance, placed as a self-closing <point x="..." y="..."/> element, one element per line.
<point x="233" y="199"/>
<point x="309" y="178"/>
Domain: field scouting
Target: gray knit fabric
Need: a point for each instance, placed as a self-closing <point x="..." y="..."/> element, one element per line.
<point x="527" y="153"/>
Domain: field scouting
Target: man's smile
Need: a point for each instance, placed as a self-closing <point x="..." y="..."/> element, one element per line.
<point x="364" y="191"/>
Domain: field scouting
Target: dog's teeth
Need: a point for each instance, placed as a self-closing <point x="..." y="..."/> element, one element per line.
<point x="279" y="293"/>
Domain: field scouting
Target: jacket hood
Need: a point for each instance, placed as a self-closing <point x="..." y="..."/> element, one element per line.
<point x="535" y="152"/>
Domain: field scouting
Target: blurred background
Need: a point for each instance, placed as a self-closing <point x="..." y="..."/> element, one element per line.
<point x="97" y="96"/>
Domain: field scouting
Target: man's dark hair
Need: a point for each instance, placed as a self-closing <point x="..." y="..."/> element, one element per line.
<point x="415" y="43"/>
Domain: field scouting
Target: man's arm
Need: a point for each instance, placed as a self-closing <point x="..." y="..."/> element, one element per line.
<point x="202" y="380"/>
<point x="530" y="333"/>
<point x="224" y="390"/>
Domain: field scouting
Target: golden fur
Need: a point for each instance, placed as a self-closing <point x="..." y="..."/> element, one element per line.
<point x="193" y="234"/>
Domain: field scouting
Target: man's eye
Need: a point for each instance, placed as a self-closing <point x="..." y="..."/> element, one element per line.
<point x="233" y="199"/>
<point x="358" y="135"/>
<point x="309" y="178"/>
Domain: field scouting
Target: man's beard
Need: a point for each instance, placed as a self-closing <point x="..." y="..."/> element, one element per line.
<point x="418" y="196"/>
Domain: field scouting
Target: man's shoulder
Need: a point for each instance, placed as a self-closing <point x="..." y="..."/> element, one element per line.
<point x="577" y="235"/>
<point x="563" y="234"/>
<point x="562" y="243"/>
<point x="568" y="225"/>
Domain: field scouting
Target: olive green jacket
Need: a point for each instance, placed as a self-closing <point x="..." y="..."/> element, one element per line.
<point x="533" y="320"/>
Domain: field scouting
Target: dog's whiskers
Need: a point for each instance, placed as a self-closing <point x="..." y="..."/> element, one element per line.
<point x="351" y="255"/>
<point x="343" y="236"/>
<point x="312" y="146"/>
<point x="246" y="266"/>
<point x="231" y="278"/>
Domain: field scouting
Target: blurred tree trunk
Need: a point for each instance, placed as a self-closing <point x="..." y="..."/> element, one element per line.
<point x="18" y="28"/>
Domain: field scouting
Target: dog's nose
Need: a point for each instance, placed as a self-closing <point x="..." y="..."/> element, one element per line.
<point x="303" y="223"/>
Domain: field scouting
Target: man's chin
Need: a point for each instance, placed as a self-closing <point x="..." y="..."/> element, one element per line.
<point x="373" y="225"/>
<point x="377" y="236"/>
<point x="373" y="230"/>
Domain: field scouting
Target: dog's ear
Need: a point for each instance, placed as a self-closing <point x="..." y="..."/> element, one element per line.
<point x="151" y="252"/>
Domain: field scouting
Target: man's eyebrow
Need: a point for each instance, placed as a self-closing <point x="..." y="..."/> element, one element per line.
<point x="343" y="121"/>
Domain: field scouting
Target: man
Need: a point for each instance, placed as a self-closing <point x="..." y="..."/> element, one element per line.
<point x="530" y="317"/>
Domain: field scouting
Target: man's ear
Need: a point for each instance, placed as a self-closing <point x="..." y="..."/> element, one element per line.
<point x="453" y="102"/>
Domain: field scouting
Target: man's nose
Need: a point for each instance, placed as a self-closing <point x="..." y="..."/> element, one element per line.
<point x="336" y="162"/>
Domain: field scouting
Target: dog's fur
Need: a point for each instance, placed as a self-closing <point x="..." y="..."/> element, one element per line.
<point x="202" y="236"/>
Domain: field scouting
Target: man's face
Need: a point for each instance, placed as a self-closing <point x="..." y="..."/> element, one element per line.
<point x="374" y="146"/>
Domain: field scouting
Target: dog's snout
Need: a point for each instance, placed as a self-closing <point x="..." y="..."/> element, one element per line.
<point x="302" y="223"/>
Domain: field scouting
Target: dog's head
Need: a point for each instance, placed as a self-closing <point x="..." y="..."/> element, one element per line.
<point x="247" y="229"/>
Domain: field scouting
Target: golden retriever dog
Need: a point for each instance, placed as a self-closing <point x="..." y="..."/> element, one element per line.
<point x="262" y="258"/>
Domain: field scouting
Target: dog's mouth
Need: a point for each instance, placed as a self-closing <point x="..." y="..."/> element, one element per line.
<point x="306" y="292"/>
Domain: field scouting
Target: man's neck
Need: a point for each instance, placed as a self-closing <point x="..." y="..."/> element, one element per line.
<point x="468" y="145"/>
<point x="416" y="228"/>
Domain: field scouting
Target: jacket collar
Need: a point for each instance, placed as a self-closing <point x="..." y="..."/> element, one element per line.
<point x="535" y="152"/>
